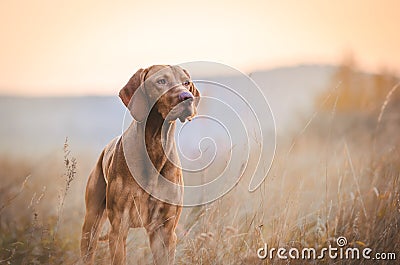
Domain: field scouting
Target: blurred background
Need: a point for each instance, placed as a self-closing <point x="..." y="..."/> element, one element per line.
<point x="330" y="71"/>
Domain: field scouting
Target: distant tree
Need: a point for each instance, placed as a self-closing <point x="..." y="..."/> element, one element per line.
<point x="357" y="91"/>
<point x="383" y="83"/>
<point x="342" y="80"/>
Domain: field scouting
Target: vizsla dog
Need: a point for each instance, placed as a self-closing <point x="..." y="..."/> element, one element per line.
<point x="131" y="182"/>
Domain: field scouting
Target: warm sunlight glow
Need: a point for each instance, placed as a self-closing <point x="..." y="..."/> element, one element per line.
<point x="92" y="47"/>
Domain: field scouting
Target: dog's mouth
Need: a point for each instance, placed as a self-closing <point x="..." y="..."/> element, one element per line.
<point x="183" y="111"/>
<point x="187" y="115"/>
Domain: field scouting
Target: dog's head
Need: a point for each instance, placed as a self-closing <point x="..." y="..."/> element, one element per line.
<point x="168" y="89"/>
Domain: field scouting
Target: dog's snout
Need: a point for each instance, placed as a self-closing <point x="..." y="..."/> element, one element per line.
<point x="185" y="96"/>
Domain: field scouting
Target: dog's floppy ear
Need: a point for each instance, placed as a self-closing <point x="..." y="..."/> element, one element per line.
<point x="193" y="89"/>
<point x="133" y="96"/>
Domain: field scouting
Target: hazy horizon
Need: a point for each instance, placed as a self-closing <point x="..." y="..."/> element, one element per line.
<point x="111" y="93"/>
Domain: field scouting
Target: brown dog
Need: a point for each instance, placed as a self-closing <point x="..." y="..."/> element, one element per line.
<point x="129" y="182"/>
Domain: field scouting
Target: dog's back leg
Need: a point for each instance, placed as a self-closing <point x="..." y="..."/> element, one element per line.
<point x="95" y="199"/>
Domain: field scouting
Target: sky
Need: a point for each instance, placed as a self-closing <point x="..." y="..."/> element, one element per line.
<point x="75" y="47"/>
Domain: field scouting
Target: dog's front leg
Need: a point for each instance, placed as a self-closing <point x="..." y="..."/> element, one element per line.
<point x="163" y="245"/>
<point x="117" y="239"/>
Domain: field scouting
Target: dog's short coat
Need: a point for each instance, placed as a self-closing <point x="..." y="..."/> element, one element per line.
<point x="156" y="97"/>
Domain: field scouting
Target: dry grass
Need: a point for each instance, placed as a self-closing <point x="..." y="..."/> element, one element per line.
<point x="29" y="222"/>
<point x="341" y="178"/>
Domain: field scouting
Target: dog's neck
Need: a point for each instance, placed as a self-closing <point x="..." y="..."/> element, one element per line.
<point x="159" y="133"/>
<point x="157" y="127"/>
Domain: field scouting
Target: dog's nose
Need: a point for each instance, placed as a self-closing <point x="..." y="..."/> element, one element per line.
<point x="185" y="96"/>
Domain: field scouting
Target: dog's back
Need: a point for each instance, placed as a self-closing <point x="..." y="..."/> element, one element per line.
<point x="108" y="154"/>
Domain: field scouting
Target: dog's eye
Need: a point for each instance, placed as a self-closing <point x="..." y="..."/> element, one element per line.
<point x="186" y="83"/>
<point x="161" y="82"/>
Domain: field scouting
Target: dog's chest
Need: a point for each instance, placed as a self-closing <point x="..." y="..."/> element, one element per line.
<point x="148" y="212"/>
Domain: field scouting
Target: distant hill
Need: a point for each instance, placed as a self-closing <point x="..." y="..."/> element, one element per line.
<point x="291" y="91"/>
